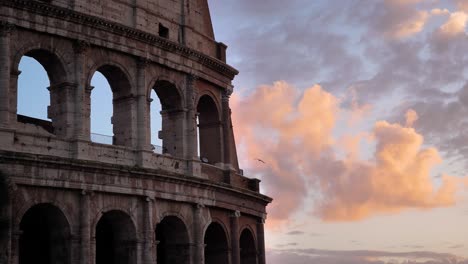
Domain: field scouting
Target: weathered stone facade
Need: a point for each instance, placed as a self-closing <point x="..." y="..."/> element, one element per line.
<point x="71" y="200"/>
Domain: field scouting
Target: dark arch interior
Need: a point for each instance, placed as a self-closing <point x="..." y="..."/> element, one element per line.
<point x="121" y="106"/>
<point x="46" y="236"/>
<point x="51" y="63"/>
<point x="115" y="239"/>
<point x="171" y="117"/>
<point x="173" y="245"/>
<point x="168" y="95"/>
<point x="216" y="249"/>
<point x="209" y="130"/>
<point x="248" y="251"/>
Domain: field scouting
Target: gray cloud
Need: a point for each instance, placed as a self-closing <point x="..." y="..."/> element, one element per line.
<point x="295" y="233"/>
<point x="312" y="256"/>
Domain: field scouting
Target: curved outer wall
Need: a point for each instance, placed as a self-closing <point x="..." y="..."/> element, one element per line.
<point x="53" y="166"/>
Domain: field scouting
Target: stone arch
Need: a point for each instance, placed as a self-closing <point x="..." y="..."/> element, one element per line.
<point x="209" y="129"/>
<point x="49" y="57"/>
<point x="45" y="237"/>
<point x="101" y="211"/>
<point x="58" y="74"/>
<point x="123" y="101"/>
<point x="29" y="203"/>
<point x="248" y="246"/>
<point x="116" y="238"/>
<point x="216" y="242"/>
<point x="213" y="97"/>
<point x="174" y="81"/>
<point x="172" y="116"/>
<point x="173" y="241"/>
<point x="122" y="74"/>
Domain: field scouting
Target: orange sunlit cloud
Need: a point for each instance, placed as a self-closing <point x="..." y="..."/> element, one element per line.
<point x="292" y="131"/>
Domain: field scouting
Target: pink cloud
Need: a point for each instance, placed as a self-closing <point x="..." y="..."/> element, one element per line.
<point x="292" y="132"/>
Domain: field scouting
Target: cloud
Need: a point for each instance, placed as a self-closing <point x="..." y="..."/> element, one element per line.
<point x="295" y="233"/>
<point x="439" y="11"/>
<point x="275" y="124"/>
<point x="293" y="132"/>
<point x="397" y="177"/>
<point x="462" y="5"/>
<point x="456" y="24"/>
<point x="400" y="19"/>
<point x="411" y="117"/>
<point x="313" y="256"/>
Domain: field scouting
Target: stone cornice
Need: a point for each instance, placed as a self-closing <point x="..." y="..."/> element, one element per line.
<point x="119" y="29"/>
<point x="8" y="157"/>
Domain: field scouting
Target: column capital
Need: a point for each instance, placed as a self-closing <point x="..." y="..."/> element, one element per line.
<point x="89" y="88"/>
<point x="235" y="214"/>
<point x="85" y="192"/>
<point x="81" y="46"/>
<point x="143" y="62"/>
<point x="6" y="28"/>
<point x="191" y="79"/>
<point x="227" y="93"/>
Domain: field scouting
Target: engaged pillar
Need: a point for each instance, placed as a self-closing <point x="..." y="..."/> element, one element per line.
<point x="235" y="237"/>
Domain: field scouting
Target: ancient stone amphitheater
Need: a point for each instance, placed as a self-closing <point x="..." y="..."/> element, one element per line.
<point x="68" y="199"/>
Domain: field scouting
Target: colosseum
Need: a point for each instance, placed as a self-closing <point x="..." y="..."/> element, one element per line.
<point x="67" y="199"/>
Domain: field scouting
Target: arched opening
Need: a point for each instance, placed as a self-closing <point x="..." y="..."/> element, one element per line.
<point x="101" y="115"/>
<point x="156" y="123"/>
<point x="115" y="239"/>
<point x="172" y="241"/>
<point x="41" y="90"/>
<point x="248" y="250"/>
<point x="209" y="130"/>
<point x="114" y="128"/>
<point x="169" y="128"/>
<point x="216" y="249"/>
<point x="45" y="236"/>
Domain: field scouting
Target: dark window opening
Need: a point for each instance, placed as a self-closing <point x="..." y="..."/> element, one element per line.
<point x="163" y="31"/>
<point x="248" y="251"/>
<point x="45" y="236"/>
<point x="216" y="249"/>
<point x="209" y="130"/>
<point x="115" y="239"/>
<point x="173" y="241"/>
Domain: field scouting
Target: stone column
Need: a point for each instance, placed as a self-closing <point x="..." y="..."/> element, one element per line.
<point x="5" y="30"/>
<point x="235" y="237"/>
<point x="13" y="94"/>
<point x="61" y="110"/>
<point x="149" y="253"/>
<point x="261" y="241"/>
<point x="85" y="228"/>
<point x="190" y="127"/>
<point x="143" y="139"/>
<point x="227" y="130"/>
<point x="81" y="120"/>
<point x="199" y="243"/>
<point x="15" y="238"/>
<point x="191" y="121"/>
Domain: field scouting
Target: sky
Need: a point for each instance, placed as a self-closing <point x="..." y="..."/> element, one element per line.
<point x="359" y="109"/>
